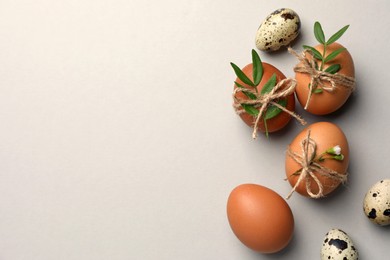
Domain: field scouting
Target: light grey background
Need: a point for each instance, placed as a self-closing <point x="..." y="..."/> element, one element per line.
<point x="118" y="139"/>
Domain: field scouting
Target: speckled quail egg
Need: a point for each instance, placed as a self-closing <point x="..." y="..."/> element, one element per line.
<point x="376" y="203"/>
<point x="278" y="29"/>
<point x="338" y="245"/>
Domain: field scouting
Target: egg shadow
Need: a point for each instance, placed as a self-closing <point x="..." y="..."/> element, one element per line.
<point x="348" y="106"/>
<point x="285" y="130"/>
<point x="293" y="126"/>
<point x="283" y="253"/>
<point x="380" y="228"/>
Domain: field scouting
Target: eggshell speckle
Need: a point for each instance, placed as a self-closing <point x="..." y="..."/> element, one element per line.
<point x="338" y="245"/>
<point x="260" y="218"/>
<point x="376" y="203"/>
<point x="279" y="29"/>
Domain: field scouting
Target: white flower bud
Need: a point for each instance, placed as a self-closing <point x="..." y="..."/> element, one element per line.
<point x="337" y="150"/>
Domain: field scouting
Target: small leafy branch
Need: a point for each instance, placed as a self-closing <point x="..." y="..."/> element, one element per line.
<point x="272" y="110"/>
<point x="333" y="153"/>
<point x="322" y="57"/>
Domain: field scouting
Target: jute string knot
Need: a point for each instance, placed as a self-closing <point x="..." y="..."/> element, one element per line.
<point x="309" y="167"/>
<point x="282" y="89"/>
<point x="325" y="80"/>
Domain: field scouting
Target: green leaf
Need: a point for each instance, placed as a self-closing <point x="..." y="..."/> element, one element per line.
<point x="239" y="85"/>
<point x="315" y="90"/>
<point x="266" y="127"/>
<point x="334" y="54"/>
<point x="273" y="110"/>
<point x="257" y="68"/>
<point x="250" y="109"/>
<point x="339" y="157"/>
<point x="337" y="35"/>
<point x="319" y="33"/>
<point x="241" y="75"/>
<point x="334" y="68"/>
<point x="316" y="65"/>
<point x="250" y="95"/>
<point x="269" y="85"/>
<point x="246" y="92"/>
<point x="315" y="53"/>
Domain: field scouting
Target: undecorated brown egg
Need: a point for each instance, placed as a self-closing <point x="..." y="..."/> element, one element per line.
<point x="317" y="160"/>
<point x="260" y="218"/>
<point x="325" y="102"/>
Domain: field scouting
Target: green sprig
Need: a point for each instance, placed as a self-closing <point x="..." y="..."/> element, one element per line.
<point x="320" y="37"/>
<point x="272" y="110"/>
<point x="330" y="153"/>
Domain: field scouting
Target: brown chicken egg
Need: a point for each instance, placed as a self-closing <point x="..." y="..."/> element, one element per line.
<point x="273" y="124"/>
<point x="325" y="102"/>
<point x="260" y="218"/>
<point x="325" y="147"/>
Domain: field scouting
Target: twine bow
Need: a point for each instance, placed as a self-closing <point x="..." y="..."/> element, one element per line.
<point x="320" y="78"/>
<point x="309" y="167"/>
<point x="262" y="101"/>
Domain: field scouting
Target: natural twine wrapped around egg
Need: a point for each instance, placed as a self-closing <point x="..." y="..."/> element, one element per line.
<point x="320" y="78"/>
<point x="309" y="168"/>
<point x="282" y="89"/>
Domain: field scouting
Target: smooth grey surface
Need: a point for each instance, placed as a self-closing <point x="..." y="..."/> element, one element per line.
<point x="118" y="139"/>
